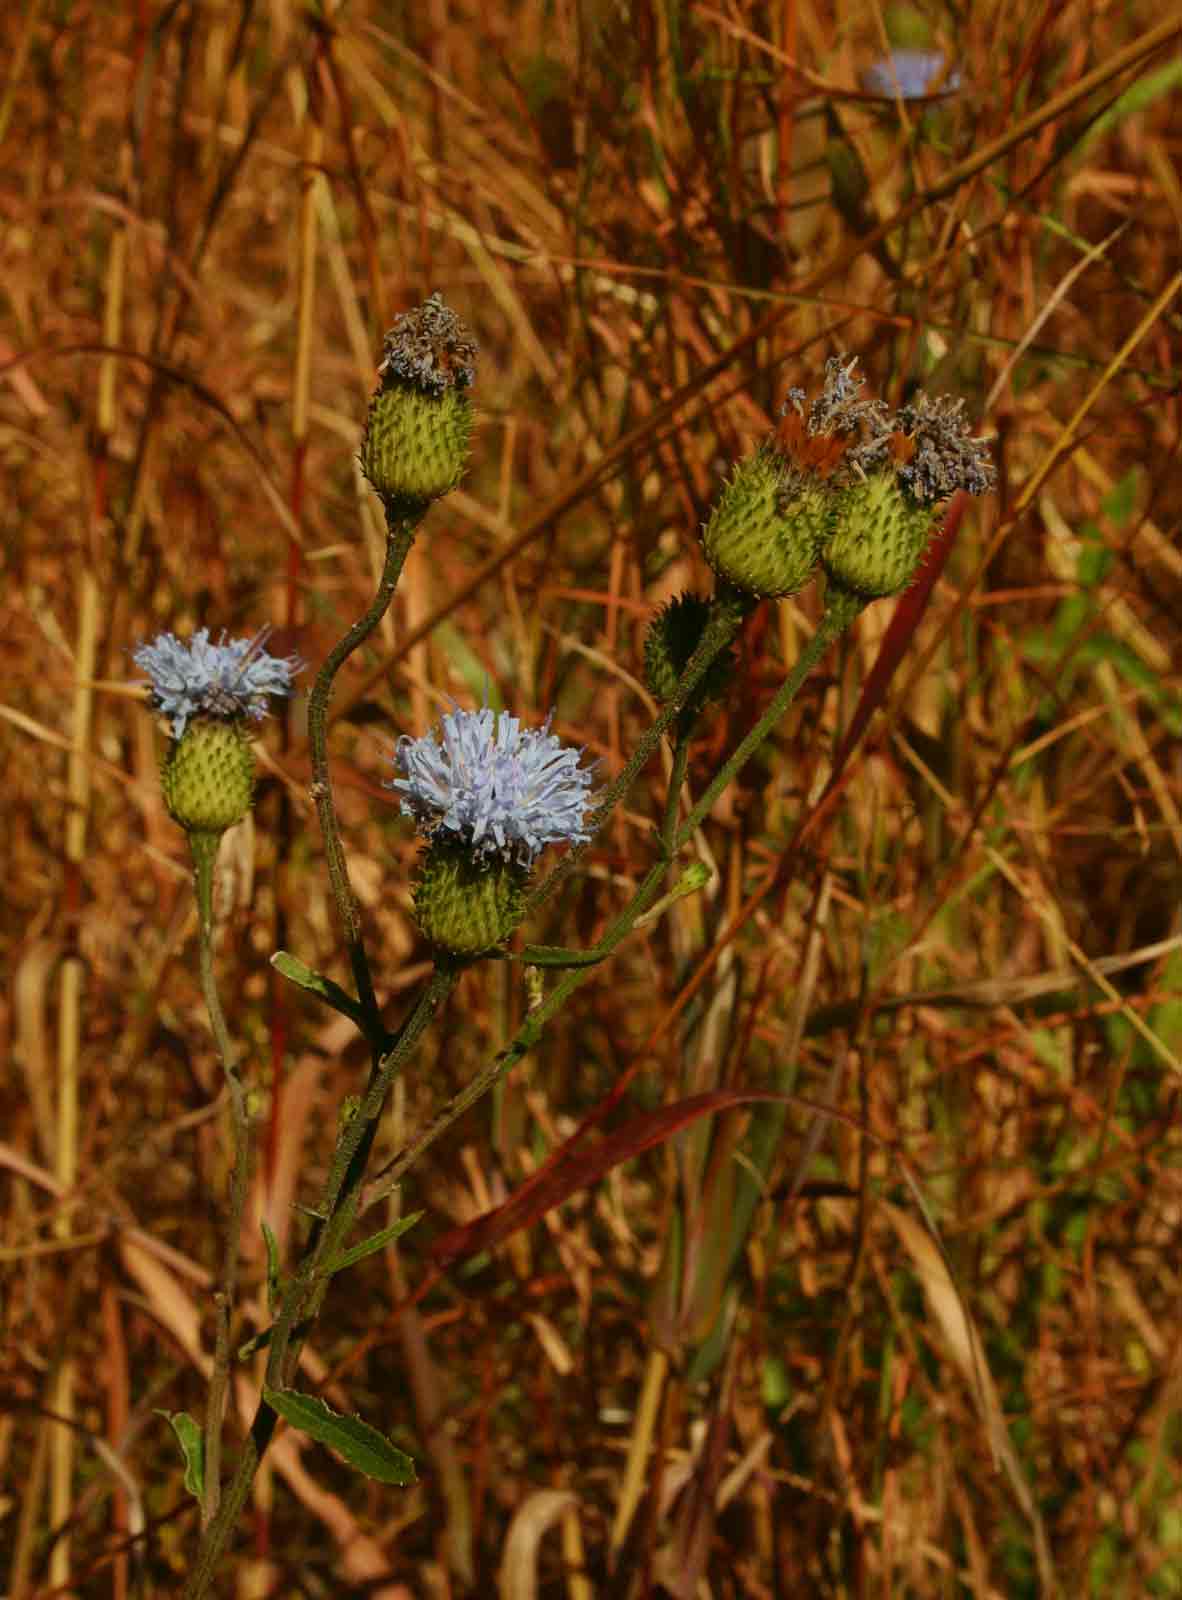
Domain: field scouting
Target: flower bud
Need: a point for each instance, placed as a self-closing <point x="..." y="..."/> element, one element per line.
<point x="884" y="518"/>
<point x="419" y="426"/>
<point x="673" y="636"/>
<point x="415" y="446"/>
<point x="207" y="775"/>
<point x="879" y="537"/>
<point x="466" y="903"/>
<point x="765" y="532"/>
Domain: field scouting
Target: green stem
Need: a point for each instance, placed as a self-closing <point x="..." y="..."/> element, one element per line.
<point x="399" y="538"/>
<point x="841" y="610"/>
<point x="304" y="1294"/>
<point x="676" y="784"/>
<point x="204" y="849"/>
<point x="728" y="610"/>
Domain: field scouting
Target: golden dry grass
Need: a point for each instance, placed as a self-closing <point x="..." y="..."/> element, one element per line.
<point x="656" y="217"/>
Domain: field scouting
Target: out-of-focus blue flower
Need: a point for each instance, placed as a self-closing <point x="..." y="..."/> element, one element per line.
<point x="505" y="789"/>
<point x="910" y="75"/>
<point x="225" y="680"/>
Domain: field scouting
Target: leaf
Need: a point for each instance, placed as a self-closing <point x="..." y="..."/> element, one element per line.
<point x="376" y="1241"/>
<point x="577" y="1165"/>
<point x="297" y="972"/>
<point x="362" y="1447"/>
<point x="192" y="1448"/>
<point x="272" y="1266"/>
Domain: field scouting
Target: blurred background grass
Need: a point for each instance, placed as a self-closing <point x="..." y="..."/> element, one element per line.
<point x="736" y="1365"/>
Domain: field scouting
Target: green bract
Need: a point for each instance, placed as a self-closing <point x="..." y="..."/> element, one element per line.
<point x="415" y="446"/>
<point x="207" y="776"/>
<point x="465" y="903"/>
<point x="879" y="537"/>
<point x="766" y="529"/>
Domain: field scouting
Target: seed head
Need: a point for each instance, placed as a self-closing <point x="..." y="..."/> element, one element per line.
<point x="936" y="453"/>
<point x="431" y="348"/>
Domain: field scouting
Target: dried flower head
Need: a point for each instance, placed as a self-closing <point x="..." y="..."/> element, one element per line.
<point x="430" y="348"/>
<point x="500" y="788"/>
<point x="839" y="430"/>
<point x="225" y="681"/>
<point x="936" y="453"/>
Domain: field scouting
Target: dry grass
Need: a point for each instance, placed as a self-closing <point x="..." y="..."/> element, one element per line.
<point x="209" y="215"/>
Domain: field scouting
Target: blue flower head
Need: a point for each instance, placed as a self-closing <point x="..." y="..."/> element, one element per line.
<point x="225" y="680"/>
<point x="505" y="789"/>
<point x="911" y="75"/>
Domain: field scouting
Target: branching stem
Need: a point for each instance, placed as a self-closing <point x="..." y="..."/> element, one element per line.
<point x="399" y="538"/>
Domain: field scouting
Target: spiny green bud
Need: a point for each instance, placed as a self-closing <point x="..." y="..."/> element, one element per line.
<point x="415" y="445"/>
<point x="767" y="526"/>
<point x="466" y="903"/>
<point x="673" y="636"/>
<point x="879" y="537"/>
<point x="885" y="516"/>
<point x="419" y="425"/>
<point x="207" y="775"/>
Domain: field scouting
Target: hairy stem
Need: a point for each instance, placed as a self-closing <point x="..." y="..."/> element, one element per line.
<point x="304" y="1294"/>
<point x="399" y="538"/>
<point x="204" y="848"/>
<point x="840" y="611"/>
<point x="728" y="610"/>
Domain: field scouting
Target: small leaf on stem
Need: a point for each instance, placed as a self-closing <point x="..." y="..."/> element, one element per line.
<point x="362" y="1447"/>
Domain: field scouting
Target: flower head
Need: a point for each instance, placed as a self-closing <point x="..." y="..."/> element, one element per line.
<point x="500" y="788"/>
<point x="937" y="454"/>
<point x="225" y="681"/>
<point x="911" y="75"/>
<point x="839" y="431"/>
<point x="429" y="348"/>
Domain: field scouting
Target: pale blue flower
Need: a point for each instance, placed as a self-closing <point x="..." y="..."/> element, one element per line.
<point x="504" y="789"/>
<point x="224" y="680"/>
<point x="910" y="75"/>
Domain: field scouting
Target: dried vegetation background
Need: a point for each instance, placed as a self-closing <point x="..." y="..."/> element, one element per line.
<point x="735" y="1364"/>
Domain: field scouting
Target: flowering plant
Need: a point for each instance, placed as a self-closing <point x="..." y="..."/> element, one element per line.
<point x="841" y="486"/>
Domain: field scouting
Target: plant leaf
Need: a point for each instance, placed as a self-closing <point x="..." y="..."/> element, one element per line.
<point x="362" y="1447"/>
<point x="376" y="1241"/>
<point x="192" y="1445"/>
<point x="273" y="1285"/>
<point x="575" y="1165"/>
<point x="297" y="972"/>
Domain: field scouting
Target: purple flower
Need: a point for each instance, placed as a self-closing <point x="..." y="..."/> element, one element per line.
<point x="504" y="789"/>
<point x="910" y="74"/>
<point x="225" y="680"/>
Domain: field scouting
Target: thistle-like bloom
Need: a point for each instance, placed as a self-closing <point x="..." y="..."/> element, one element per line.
<point x="839" y="430"/>
<point x="910" y="75"/>
<point x="225" y="681"/>
<point x="502" y="789"/>
<point x="938" y="454"/>
<point x="431" y="348"/>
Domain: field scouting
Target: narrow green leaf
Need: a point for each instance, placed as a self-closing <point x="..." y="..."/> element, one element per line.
<point x="192" y="1448"/>
<point x="376" y="1241"/>
<point x="363" y="1447"/>
<point x="295" y="971"/>
<point x="272" y="1266"/>
<point x="260" y="1341"/>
